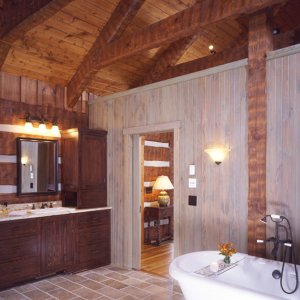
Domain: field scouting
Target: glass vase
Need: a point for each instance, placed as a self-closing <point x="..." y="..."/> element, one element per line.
<point x="227" y="260"/>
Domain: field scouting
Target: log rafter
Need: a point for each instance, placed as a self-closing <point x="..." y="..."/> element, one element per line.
<point x="183" y="24"/>
<point x="18" y="17"/>
<point x="113" y="29"/>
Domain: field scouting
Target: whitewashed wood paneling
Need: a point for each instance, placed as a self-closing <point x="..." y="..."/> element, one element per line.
<point x="283" y="144"/>
<point x="212" y="111"/>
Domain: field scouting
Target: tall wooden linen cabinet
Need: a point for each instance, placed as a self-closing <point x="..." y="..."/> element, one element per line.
<point x="84" y="165"/>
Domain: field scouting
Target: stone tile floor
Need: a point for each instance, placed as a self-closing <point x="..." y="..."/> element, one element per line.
<point x="109" y="282"/>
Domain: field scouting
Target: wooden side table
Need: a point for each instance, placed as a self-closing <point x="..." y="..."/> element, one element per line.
<point x="158" y="213"/>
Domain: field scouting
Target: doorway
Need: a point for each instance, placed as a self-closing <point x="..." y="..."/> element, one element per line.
<point x="157" y="222"/>
<point x="132" y="180"/>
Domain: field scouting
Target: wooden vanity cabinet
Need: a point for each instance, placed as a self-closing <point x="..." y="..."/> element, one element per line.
<point x="93" y="239"/>
<point x="19" y="250"/>
<point x="84" y="165"/>
<point x="70" y="242"/>
<point x="57" y="243"/>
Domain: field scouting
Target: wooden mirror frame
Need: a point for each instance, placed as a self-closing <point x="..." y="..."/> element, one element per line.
<point x="19" y="168"/>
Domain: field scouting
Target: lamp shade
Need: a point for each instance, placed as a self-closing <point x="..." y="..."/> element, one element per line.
<point x="217" y="155"/>
<point x="163" y="183"/>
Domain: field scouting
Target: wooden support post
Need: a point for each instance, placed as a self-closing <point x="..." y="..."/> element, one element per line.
<point x="260" y="42"/>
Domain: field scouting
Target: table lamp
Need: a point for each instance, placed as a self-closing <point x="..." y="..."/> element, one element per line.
<point x="163" y="183"/>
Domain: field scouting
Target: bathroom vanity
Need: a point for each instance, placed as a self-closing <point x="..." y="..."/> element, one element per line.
<point x="37" y="245"/>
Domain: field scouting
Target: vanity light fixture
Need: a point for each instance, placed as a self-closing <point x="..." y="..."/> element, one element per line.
<point x="217" y="155"/>
<point x="28" y="124"/>
<point x="42" y="124"/>
<point x="54" y="129"/>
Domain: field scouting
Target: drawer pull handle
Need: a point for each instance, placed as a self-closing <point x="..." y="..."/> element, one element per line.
<point x="17" y="248"/>
<point x="95" y="233"/>
<point x="17" y="228"/>
<point x="17" y="270"/>
<point x="95" y="218"/>
<point x="95" y="251"/>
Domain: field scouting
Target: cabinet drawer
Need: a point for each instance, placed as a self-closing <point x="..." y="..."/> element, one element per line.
<point x="93" y="218"/>
<point x="18" y="228"/>
<point x="17" y="247"/>
<point x="95" y="252"/>
<point x="94" y="234"/>
<point x="18" y="270"/>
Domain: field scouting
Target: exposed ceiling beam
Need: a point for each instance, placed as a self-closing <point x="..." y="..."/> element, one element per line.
<point x="113" y="29"/>
<point x="203" y="63"/>
<point x="18" y="17"/>
<point x="169" y="58"/>
<point x="183" y="24"/>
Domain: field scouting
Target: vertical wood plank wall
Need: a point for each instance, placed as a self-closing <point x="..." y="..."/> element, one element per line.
<point x="213" y="113"/>
<point x="283" y="144"/>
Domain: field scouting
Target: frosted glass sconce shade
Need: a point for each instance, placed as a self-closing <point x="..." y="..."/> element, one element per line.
<point x="55" y="129"/>
<point x="28" y="127"/>
<point x="217" y="155"/>
<point x="42" y="128"/>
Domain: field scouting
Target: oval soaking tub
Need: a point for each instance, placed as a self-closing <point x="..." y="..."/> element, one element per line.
<point x="250" y="279"/>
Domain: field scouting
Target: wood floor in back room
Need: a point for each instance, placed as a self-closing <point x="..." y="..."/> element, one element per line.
<point x="157" y="259"/>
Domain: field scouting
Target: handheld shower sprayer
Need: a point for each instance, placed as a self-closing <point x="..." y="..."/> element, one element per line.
<point x="287" y="243"/>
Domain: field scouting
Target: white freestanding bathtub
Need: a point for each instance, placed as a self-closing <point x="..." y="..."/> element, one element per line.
<point x="251" y="279"/>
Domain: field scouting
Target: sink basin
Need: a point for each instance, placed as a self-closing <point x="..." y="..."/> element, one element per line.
<point x="49" y="210"/>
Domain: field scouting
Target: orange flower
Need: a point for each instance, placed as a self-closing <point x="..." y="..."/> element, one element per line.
<point x="227" y="249"/>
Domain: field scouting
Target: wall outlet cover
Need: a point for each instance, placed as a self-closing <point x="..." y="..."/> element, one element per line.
<point x="192" y="183"/>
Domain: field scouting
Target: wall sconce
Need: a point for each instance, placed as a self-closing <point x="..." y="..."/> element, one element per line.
<point x="24" y="160"/>
<point x="211" y="48"/>
<point x="217" y="155"/>
<point x="41" y="121"/>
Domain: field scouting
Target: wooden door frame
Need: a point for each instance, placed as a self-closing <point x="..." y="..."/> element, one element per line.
<point x="132" y="184"/>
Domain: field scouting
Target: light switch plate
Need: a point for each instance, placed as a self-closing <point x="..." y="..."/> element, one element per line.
<point x="31" y="175"/>
<point x="30" y="168"/>
<point x="192" y="183"/>
<point x="192" y="170"/>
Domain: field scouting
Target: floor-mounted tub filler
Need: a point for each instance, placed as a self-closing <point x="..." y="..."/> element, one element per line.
<point x="247" y="278"/>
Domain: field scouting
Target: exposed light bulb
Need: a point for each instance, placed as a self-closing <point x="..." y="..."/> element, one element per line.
<point x="42" y="128"/>
<point x="211" y="47"/>
<point x="28" y="126"/>
<point x="55" y="129"/>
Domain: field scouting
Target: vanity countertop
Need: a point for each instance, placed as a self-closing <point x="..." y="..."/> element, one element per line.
<point x="6" y="217"/>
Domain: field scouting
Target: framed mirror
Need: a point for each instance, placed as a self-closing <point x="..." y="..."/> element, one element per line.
<point x="37" y="163"/>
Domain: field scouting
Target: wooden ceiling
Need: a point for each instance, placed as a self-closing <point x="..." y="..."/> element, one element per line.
<point x="54" y="49"/>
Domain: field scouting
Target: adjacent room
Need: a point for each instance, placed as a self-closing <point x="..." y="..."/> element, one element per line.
<point x="149" y="149"/>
